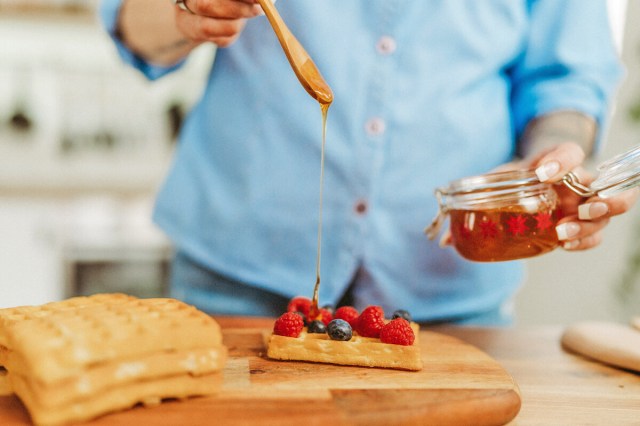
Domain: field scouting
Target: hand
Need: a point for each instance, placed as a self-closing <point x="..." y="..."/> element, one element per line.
<point x="583" y="219"/>
<point x="216" y="21"/>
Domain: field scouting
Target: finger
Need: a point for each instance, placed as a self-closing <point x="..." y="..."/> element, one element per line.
<point x="597" y="207"/>
<point x="585" y="243"/>
<point x="570" y="229"/>
<point x="552" y="166"/>
<point x="224" y="41"/>
<point x="224" y="9"/>
<point x="200" y="28"/>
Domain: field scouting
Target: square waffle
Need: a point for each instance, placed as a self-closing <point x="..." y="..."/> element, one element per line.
<point x="86" y="356"/>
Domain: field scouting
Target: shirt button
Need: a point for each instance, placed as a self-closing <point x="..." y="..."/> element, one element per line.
<point x="375" y="126"/>
<point x="360" y="207"/>
<point x="386" y="45"/>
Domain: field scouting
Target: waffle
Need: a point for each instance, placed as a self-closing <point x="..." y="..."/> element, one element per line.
<point x="5" y="388"/>
<point x="107" y="352"/>
<point x="359" y="351"/>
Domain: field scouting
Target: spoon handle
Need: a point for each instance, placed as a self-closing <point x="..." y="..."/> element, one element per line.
<point x="301" y="63"/>
<point x="292" y="48"/>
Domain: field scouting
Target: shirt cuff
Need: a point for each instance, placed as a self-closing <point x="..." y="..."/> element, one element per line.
<point x="109" y="11"/>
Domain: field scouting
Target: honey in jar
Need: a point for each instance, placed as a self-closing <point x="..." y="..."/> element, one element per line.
<point x="500" y="216"/>
<point x="512" y="215"/>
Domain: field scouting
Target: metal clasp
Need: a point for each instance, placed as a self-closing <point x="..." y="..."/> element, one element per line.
<point x="572" y="182"/>
<point x="433" y="229"/>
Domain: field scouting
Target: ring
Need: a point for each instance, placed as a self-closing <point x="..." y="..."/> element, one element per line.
<point x="182" y="5"/>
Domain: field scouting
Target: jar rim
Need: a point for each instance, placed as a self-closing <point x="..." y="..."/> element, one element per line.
<point x="495" y="181"/>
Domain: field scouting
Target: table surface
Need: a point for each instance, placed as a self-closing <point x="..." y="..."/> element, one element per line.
<point x="557" y="387"/>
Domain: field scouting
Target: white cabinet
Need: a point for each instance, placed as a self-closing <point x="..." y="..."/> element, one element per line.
<point x="30" y="262"/>
<point x="72" y="244"/>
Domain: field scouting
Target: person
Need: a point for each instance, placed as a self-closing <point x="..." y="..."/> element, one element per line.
<point x="425" y="92"/>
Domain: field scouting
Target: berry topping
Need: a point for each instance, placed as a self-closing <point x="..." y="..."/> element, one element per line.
<point x="325" y="316"/>
<point x="397" y="332"/>
<point x="329" y="308"/>
<point x="300" y="304"/>
<point x="289" y="324"/>
<point x="370" y="321"/>
<point x="347" y="313"/>
<point x="304" y="318"/>
<point x="317" y="326"/>
<point x="401" y="313"/>
<point x="320" y="314"/>
<point x="339" y="329"/>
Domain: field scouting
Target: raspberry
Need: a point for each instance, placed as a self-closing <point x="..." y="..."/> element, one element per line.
<point x="329" y="308"/>
<point x="370" y="321"/>
<point x="288" y="324"/>
<point x="347" y="313"/>
<point x="322" y="314"/>
<point x="397" y="332"/>
<point x="300" y="304"/>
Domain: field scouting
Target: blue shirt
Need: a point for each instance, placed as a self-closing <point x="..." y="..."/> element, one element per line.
<point x="425" y="92"/>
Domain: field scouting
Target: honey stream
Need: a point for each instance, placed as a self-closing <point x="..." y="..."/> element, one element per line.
<point x="314" y="311"/>
<point x="313" y="82"/>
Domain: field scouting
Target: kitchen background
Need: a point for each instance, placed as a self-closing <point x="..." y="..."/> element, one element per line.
<point x="85" y="142"/>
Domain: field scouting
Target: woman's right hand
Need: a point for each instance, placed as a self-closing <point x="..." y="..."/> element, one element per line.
<point x="216" y="21"/>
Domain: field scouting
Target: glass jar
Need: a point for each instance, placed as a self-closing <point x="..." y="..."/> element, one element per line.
<point x="512" y="215"/>
<point x="499" y="216"/>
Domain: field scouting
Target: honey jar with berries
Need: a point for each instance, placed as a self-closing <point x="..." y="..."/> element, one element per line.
<point x="499" y="216"/>
<point x="512" y="215"/>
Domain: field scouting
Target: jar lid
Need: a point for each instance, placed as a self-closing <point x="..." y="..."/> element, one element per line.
<point x="618" y="174"/>
<point x="490" y="182"/>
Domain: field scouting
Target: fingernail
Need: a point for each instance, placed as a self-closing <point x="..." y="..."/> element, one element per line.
<point x="567" y="230"/>
<point x="547" y="170"/>
<point x="592" y="210"/>
<point x="569" y="245"/>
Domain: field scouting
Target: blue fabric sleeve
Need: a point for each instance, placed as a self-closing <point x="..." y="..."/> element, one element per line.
<point x="569" y="62"/>
<point x="109" y="10"/>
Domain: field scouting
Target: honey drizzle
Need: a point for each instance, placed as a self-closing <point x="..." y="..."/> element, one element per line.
<point x="314" y="311"/>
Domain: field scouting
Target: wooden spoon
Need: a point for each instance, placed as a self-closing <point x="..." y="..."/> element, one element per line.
<point x="300" y="61"/>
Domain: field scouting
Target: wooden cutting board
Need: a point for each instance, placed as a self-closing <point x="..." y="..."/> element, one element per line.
<point x="459" y="385"/>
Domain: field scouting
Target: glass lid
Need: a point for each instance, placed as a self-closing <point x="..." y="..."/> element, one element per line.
<point x="618" y="174"/>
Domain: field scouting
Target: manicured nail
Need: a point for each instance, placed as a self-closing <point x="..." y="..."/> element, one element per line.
<point x="547" y="170"/>
<point x="592" y="210"/>
<point x="567" y="230"/>
<point x="569" y="245"/>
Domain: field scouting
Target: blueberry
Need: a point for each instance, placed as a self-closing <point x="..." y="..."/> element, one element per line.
<point x="401" y="313"/>
<point x="339" y="329"/>
<point x="316" y="326"/>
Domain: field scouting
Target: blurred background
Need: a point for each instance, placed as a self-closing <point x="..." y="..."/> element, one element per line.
<point x="85" y="143"/>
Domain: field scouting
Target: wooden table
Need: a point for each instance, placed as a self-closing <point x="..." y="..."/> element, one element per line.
<point x="556" y="387"/>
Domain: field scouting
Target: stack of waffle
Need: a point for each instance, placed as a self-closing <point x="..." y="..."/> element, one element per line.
<point x="87" y="356"/>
